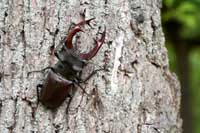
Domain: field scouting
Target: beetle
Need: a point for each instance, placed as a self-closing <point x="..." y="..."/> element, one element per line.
<point x="67" y="71"/>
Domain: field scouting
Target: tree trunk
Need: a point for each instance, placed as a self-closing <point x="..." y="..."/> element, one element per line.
<point x="136" y="94"/>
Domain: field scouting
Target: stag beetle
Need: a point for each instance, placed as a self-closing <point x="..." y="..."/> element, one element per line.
<point x="67" y="70"/>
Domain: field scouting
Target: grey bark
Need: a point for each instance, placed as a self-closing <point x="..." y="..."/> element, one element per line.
<point x="137" y="94"/>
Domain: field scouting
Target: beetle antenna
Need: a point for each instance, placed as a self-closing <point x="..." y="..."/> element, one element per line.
<point x="39" y="71"/>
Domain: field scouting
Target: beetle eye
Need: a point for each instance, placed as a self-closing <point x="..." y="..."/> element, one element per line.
<point x="60" y="66"/>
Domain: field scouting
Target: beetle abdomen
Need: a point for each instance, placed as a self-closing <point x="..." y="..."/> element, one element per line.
<point x="55" y="90"/>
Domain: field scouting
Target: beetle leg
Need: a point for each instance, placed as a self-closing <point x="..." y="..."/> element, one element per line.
<point x="41" y="71"/>
<point x="70" y="99"/>
<point x="78" y="84"/>
<point x="38" y="92"/>
<point x="90" y="75"/>
<point x="76" y="29"/>
<point x="94" y="51"/>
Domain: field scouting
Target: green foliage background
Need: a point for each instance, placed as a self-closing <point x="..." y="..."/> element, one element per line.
<point x="194" y="59"/>
<point x="187" y="14"/>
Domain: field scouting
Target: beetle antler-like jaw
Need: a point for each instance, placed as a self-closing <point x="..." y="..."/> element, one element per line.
<point x="93" y="52"/>
<point x="76" y="29"/>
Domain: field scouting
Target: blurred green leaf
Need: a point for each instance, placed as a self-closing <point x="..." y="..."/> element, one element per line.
<point x="169" y="3"/>
<point x="187" y="14"/>
<point x="194" y="59"/>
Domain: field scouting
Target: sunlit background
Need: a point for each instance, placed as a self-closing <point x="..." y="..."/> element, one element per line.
<point x="181" y="24"/>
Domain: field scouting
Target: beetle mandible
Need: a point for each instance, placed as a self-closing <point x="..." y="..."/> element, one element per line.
<point x="66" y="72"/>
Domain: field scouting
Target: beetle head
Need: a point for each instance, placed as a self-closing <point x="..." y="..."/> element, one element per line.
<point x="69" y="58"/>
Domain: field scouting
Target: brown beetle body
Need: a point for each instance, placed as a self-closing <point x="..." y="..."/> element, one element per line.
<point x="55" y="90"/>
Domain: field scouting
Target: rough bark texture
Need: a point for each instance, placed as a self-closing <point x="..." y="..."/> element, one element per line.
<point x="137" y="94"/>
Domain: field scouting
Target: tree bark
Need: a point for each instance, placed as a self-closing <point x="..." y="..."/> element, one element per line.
<point x="136" y="94"/>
